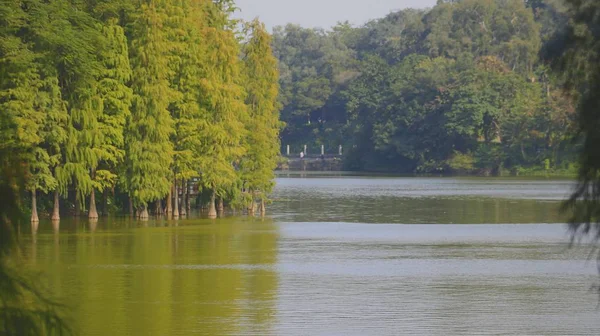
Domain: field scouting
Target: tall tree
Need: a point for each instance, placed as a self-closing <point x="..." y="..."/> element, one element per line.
<point x="34" y="115"/>
<point x="116" y="97"/>
<point x="149" y="151"/>
<point x="222" y="105"/>
<point x="75" y="36"/>
<point x="261" y="75"/>
<point x="186" y="60"/>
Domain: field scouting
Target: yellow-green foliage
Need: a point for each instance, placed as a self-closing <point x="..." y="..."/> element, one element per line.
<point x="98" y="94"/>
<point x="185" y="62"/>
<point x="260" y="79"/>
<point x="149" y="149"/>
<point x="461" y="161"/>
<point x="222" y="107"/>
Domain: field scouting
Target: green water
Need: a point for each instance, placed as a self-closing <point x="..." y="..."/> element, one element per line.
<point x="337" y="255"/>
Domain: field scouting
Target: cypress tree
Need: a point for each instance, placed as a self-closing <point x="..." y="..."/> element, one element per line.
<point x="76" y="38"/>
<point x="88" y="103"/>
<point x="33" y="116"/>
<point x="116" y="98"/>
<point x="149" y="150"/>
<point x="221" y="106"/>
<point x="260" y="79"/>
<point x="185" y="61"/>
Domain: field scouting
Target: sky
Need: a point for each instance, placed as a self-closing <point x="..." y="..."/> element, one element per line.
<point x="321" y="13"/>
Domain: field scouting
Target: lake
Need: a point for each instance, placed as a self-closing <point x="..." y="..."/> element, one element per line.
<point x="336" y="255"/>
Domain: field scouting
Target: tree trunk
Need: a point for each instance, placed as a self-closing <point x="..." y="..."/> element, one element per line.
<point x="130" y="207"/>
<point x="188" y="203"/>
<point x="263" y="209"/>
<point x="221" y="206"/>
<point x="159" y="210"/>
<point x="212" y="211"/>
<point x="34" y="214"/>
<point x="34" y="229"/>
<point x="169" y="204"/>
<point x="56" y="209"/>
<point x="93" y="214"/>
<point x="105" y="203"/>
<point x="176" y="201"/>
<point x="184" y="195"/>
<point x="144" y="213"/>
<point x="77" y="203"/>
<point x="251" y="205"/>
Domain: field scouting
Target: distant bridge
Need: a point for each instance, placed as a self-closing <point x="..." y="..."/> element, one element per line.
<point x="317" y="154"/>
<point x="313" y="157"/>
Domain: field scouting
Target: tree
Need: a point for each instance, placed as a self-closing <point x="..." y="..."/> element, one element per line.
<point x="34" y="115"/>
<point x="574" y="52"/>
<point x="222" y="108"/>
<point x="149" y="151"/>
<point x="186" y="60"/>
<point x="314" y="67"/>
<point x="116" y="99"/>
<point x="260" y="78"/>
<point x="73" y="54"/>
<point x="98" y="94"/>
<point x="416" y="89"/>
<point x="28" y="115"/>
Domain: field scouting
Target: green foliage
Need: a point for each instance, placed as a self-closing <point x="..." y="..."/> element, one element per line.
<point x="313" y="66"/>
<point x="185" y="62"/>
<point x="116" y="97"/>
<point x="104" y="94"/>
<point x="422" y="87"/>
<point x="222" y="106"/>
<point x="260" y="78"/>
<point x="461" y="162"/>
<point x="33" y="115"/>
<point x="574" y="52"/>
<point x="149" y="149"/>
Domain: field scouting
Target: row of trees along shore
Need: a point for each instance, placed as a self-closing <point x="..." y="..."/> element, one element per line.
<point x="138" y="101"/>
<point x="457" y="88"/>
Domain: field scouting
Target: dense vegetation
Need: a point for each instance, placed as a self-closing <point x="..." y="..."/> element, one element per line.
<point x="458" y="88"/>
<point x="574" y="51"/>
<point x="137" y="101"/>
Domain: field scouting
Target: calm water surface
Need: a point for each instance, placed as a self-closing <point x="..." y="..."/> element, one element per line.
<point x="335" y="256"/>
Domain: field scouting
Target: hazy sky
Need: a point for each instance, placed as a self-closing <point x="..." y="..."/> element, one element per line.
<point x="322" y="13"/>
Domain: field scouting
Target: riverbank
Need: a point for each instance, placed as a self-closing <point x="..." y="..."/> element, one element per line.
<point x="325" y="163"/>
<point x="316" y="167"/>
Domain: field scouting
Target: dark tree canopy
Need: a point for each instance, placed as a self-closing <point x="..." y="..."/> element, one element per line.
<point x="574" y="52"/>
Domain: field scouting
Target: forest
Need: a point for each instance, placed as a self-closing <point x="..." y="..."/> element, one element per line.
<point x="459" y="88"/>
<point x="135" y="102"/>
<point x="129" y="104"/>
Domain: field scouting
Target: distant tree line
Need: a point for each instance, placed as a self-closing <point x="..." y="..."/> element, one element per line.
<point x="138" y="101"/>
<point x="458" y="88"/>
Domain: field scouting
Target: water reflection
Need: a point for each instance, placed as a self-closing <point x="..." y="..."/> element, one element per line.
<point x="55" y="225"/>
<point x="213" y="278"/>
<point x="93" y="224"/>
<point x="418" y="201"/>
<point x="324" y="262"/>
